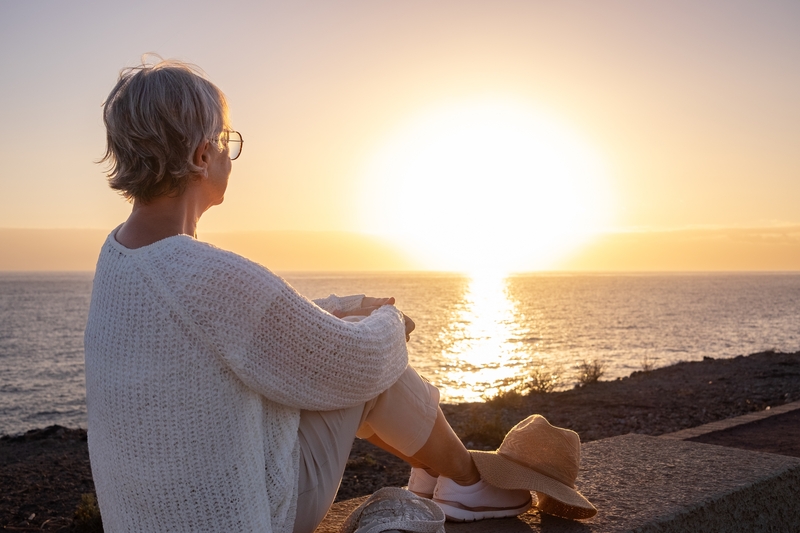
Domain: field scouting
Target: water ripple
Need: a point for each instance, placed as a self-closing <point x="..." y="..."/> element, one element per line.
<point x="473" y="337"/>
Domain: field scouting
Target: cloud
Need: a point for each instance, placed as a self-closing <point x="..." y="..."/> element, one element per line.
<point x="50" y="249"/>
<point x="292" y="251"/>
<point x="283" y="251"/>
<point x="721" y="249"/>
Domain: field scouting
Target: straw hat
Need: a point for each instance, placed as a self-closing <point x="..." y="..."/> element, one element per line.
<point x="545" y="459"/>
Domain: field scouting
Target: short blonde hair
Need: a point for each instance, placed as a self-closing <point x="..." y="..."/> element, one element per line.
<point x="155" y="117"/>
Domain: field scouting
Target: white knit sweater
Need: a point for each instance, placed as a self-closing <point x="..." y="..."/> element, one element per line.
<point x="198" y="363"/>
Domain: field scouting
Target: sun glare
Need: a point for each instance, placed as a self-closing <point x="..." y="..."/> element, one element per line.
<point x="482" y="357"/>
<point x="485" y="187"/>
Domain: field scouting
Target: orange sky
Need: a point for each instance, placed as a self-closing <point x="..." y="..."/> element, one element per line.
<point x="689" y="109"/>
<point x="755" y="249"/>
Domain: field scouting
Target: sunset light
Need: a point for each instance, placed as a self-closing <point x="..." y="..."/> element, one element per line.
<point x="488" y="185"/>
<point x="443" y="217"/>
<point x="495" y="136"/>
<point x="482" y="336"/>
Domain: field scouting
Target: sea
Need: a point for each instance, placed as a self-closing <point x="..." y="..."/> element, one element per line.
<point x="474" y="336"/>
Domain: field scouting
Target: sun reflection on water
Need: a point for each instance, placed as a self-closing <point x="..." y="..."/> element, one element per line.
<point x="482" y="353"/>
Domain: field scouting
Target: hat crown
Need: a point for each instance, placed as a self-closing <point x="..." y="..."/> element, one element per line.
<point x="551" y="451"/>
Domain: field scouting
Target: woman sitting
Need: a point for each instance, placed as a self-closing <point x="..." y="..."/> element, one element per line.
<point x="220" y="399"/>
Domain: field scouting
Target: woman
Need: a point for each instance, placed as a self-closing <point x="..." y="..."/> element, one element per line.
<point x="219" y="399"/>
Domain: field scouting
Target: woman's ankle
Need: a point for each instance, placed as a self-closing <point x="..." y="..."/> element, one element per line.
<point x="470" y="476"/>
<point x="430" y="471"/>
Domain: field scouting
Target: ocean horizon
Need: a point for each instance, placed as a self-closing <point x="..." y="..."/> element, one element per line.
<point x="473" y="338"/>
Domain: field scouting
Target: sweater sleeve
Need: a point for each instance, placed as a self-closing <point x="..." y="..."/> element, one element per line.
<point x="289" y="350"/>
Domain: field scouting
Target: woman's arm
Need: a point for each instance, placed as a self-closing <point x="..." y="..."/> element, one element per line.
<point x="356" y="305"/>
<point x="283" y="345"/>
<point x="306" y="358"/>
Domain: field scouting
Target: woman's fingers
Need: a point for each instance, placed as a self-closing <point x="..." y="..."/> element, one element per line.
<point x="360" y="311"/>
<point x="409" y="326"/>
<point x="366" y="310"/>
<point x="369" y="301"/>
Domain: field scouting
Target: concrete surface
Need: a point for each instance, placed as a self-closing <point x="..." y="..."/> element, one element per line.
<point x="776" y="434"/>
<point x="721" y="425"/>
<point x="651" y="484"/>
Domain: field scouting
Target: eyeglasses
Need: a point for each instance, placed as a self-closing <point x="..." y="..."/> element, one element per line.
<point x="233" y="140"/>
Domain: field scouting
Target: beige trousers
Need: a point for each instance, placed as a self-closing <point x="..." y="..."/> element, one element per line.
<point x="402" y="416"/>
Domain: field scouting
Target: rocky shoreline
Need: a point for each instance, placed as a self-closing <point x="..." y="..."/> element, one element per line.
<point x="44" y="472"/>
<point x="661" y="401"/>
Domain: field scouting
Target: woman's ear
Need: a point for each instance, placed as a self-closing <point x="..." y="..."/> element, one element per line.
<point x="200" y="157"/>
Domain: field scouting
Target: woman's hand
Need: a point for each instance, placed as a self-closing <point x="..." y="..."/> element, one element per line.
<point x="369" y="301"/>
<point x="409" y="326"/>
<point x="370" y="304"/>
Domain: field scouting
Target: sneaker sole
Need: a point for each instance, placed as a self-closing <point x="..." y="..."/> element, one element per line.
<point x="459" y="513"/>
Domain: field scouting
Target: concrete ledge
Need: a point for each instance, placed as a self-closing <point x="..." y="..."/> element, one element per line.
<point x="654" y="485"/>
<point x="650" y="484"/>
<point x="698" y="431"/>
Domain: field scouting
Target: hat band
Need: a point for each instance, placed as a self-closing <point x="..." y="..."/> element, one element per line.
<point x="552" y="474"/>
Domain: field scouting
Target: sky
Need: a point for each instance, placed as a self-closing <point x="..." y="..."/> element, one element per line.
<point x="463" y="128"/>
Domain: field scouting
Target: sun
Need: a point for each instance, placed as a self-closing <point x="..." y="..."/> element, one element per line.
<point x="485" y="186"/>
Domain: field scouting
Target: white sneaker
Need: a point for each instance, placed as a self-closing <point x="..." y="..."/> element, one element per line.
<point x="479" y="501"/>
<point x="422" y="483"/>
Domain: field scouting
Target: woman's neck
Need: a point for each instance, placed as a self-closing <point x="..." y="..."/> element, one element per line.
<point x="162" y="217"/>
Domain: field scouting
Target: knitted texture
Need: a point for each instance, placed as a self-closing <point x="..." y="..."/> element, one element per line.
<point x="198" y="363"/>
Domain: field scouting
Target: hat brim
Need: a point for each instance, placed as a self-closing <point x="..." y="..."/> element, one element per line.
<point x="554" y="497"/>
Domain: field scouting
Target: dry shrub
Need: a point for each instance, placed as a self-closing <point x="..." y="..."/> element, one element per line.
<point x="87" y="515"/>
<point x="504" y="399"/>
<point x="590" y="371"/>
<point x="366" y="460"/>
<point x="541" y="381"/>
<point x="647" y="363"/>
<point x="483" y="430"/>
